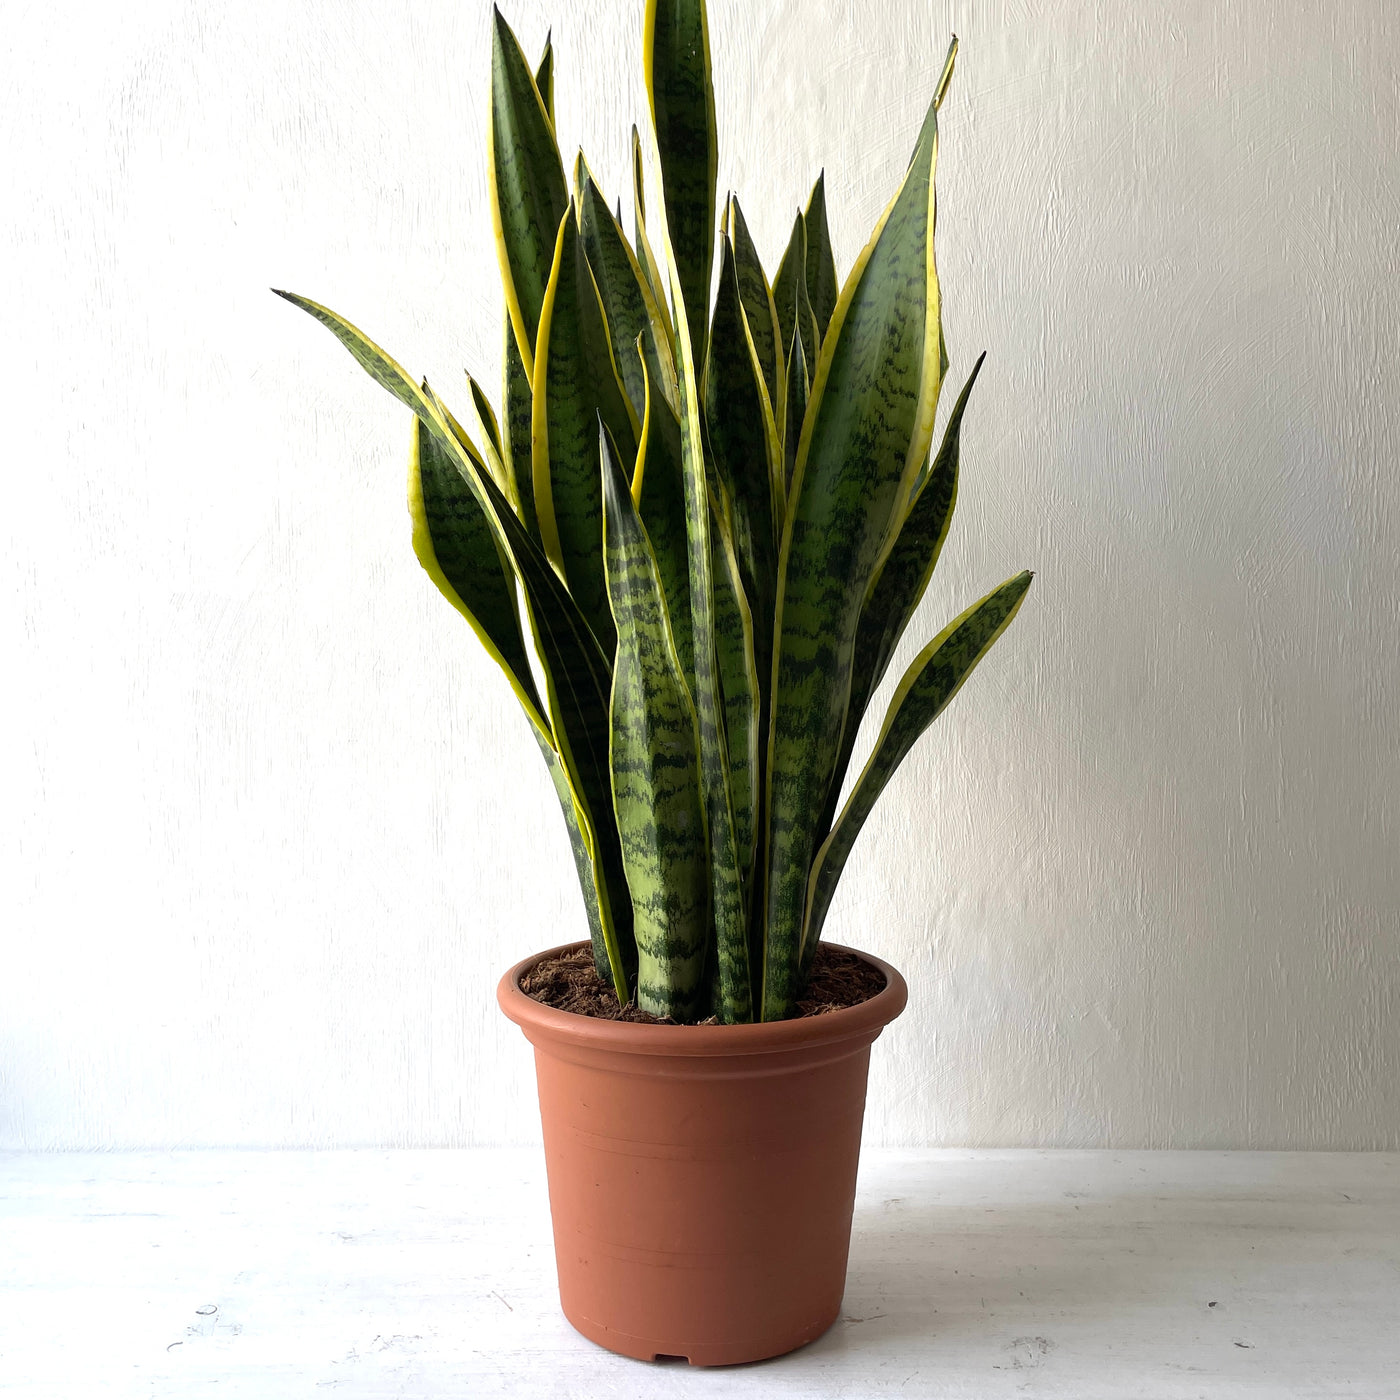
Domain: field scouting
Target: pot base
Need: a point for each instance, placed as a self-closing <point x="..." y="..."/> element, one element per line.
<point x="726" y="1353"/>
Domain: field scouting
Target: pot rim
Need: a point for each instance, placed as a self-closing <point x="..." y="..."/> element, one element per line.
<point x="865" y="1019"/>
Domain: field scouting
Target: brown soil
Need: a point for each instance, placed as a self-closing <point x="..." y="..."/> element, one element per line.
<point x="569" y="982"/>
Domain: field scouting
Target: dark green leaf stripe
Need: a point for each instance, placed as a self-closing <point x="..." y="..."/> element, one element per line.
<point x="757" y="299"/>
<point x="734" y="995"/>
<point x="738" y="676"/>
<point x="528" y="191"/>
<point x="655" y="767"/>
<point x="900" y="581"/>
<point x="578" y="675"/>
<point x="519" y="411"/>
<point x="457" y="546"/>
<point x="628" y="305"/>
<point x="865" y="434"/>
<point x="575" y="380"/>
<point x="928" y="685"/>
<point x="820" y="262"/>
<point x="658" y="488"/>
<point x="676" y="53"/>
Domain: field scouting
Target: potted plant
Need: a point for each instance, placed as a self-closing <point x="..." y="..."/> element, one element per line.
<point x="692" y="540"/>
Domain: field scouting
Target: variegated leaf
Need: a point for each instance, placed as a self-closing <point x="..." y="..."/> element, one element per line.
<point x="928" y="685"/>
<point x="734" y="992"/>
<point x="658" y="488"/>
<point x="576" y="380"/>
<point x="739" y="685"/>
<point x="743" y="447"/>
<point x="628" y="305"/>
<point x="578" y="676"/>
<point x="864" y="437"/>
<point x="820" y="262"/>
<point x="655" y="767"/>
<point x="676" y="55"/>
<point x="757" y="299"/>
<point x="528" y="191"/>
<point x="900" y="581"/>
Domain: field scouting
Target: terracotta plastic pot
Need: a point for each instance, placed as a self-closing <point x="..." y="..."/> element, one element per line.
<point x="701" y="1178"/>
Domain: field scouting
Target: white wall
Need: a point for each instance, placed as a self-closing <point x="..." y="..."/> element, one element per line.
<point x="272" y="826"/>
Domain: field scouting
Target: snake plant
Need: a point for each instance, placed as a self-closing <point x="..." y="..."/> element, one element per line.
<point x="697" y="530"/>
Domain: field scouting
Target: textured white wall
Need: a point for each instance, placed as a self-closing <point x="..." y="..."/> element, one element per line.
<point x="272" y="826"/>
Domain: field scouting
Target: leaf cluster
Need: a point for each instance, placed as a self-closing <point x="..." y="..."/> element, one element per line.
<point x="697" y="531"/>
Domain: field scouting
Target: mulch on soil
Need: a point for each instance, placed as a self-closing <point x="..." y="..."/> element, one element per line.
<point x="569" y="982"/>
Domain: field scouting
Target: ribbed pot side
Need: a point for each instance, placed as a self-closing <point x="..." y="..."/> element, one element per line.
<point x="701" y="1178"/>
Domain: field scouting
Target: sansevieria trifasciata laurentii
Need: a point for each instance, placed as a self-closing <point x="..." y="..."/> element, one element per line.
<point x="707" y="510"/>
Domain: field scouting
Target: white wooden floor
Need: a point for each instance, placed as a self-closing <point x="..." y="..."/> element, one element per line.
<point x="430" y="1274"/>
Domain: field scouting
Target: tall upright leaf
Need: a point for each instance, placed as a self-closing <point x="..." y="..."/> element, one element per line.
<point x="866" y="431"/>
<point x="820" y="261"/>
<point x="628" y="305"/>
<point x="544" y="77"/>
<point x="658" y="488"/>
<point x="655" y="752"/>
<point x="576" y="380"/>
<point x="735" y="1000"/>
<point x="797" y="386"/>
<point x="742" y="438"/>
<point x="929" y="684"/>
<point x="528" y="191"/>
<point x="791" y="274"/>
<point x="739" y="689"/>
<point x="757" y="299"/>
<point x="645" y="256"/>
<point x="676" y="53"/>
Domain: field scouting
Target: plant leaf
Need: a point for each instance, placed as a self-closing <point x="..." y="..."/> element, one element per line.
<point x="743" y="446"/>
<point x="928" y="685"/>
<point x="583" y="861"/>
<point x="519" y="411"/>
<point x="655" y="752"/>
<point x="798" y="387"/>
<point x="739" y="689"/>
<point x="676" y="52"/>
<point x="496" y="462"/>
<point x="575" y="380"/>
<point x="658" y="488"/>
<point x="578" y="676"/>
<point x="820" y="262"/>
<point x="528" y="191"/>
<point x="757" y="299"/>
<point x="544" y="77"/>
<point x="457" y="547"/>
<point x="790" y="276"/>
<point x="864" y="436"/>
<point x="734" y="994"/>
<point x="645" y="256"/>
<point x="628" y="305"/>
<point x="900" y="581"/>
